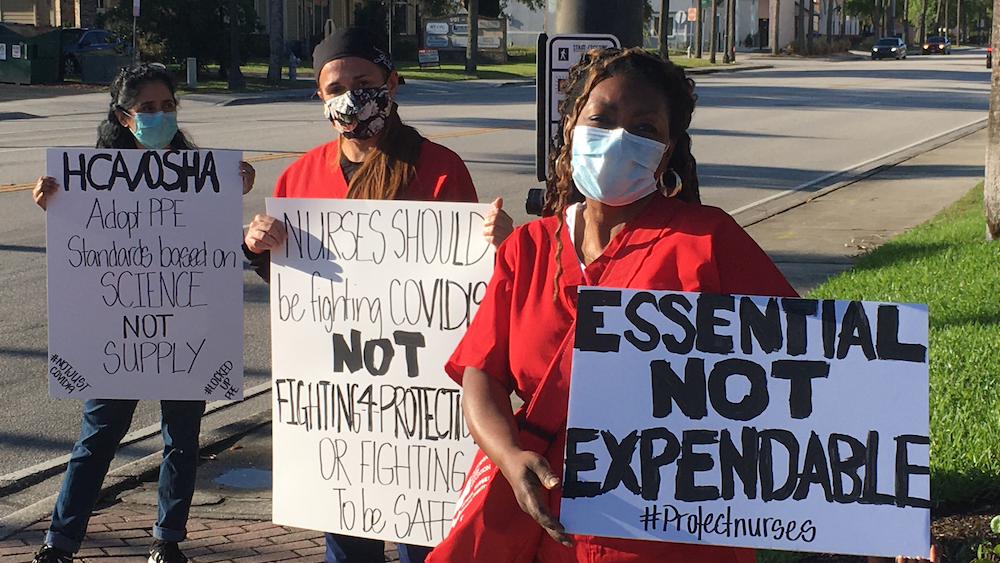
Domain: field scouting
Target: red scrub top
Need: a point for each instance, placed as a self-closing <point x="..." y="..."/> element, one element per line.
<point x="518" y="329"/>
<point x="440" y="176"/>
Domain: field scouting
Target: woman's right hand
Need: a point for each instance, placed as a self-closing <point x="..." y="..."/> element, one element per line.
<point x="527" y="473"/>
<point x="44" y="188"/>
<point x="265" y="233"/>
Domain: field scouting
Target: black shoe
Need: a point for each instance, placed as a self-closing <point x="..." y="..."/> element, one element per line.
<point x="49" y="554"/>
<point x="165" y="552"/>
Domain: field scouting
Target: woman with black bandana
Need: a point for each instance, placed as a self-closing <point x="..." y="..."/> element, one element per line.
<point x="375" y="156"/>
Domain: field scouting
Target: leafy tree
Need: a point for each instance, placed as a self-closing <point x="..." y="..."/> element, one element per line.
<point x="172" y="30"/>
<point x="372" y="15"/>
<point x="436" y="8"/>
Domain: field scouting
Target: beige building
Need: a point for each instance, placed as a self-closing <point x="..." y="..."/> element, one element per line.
<point x="60" y="13"/>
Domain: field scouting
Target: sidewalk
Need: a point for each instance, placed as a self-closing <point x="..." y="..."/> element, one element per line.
<point x="812" y="235"/>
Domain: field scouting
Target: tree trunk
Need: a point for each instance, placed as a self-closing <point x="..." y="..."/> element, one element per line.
<point x="664" y="28"/>
<point x="472" y="49"/>
<point x="937" y="18"/>
<point x="991" y="192"/>
<point x="731" y="26"/>
<point x="906" y="22"/>
<point x="829" y="22"/>
<point x="923" y="21"/>
<point x="235" y="79"/>
<point x="958" y="22"/>
<point x="714" y="32"/>
<point x="891" y="19"/>
<point x="843" y="18"/>
<point x="810" y="30"/>
<point x="803" y="50"/>
<point x="275" y="26"/>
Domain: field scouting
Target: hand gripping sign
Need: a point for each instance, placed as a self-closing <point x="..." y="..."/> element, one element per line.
<point x="777" y="423"/>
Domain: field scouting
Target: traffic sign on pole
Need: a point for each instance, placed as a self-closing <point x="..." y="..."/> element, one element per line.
<point x="561" y="52"/>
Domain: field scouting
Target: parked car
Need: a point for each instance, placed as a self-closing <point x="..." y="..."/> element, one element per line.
<point x="989" y="56"/>
<point x="76" y="42"/>
<point x="889" y="47"/>
<point x="937" y="44"/>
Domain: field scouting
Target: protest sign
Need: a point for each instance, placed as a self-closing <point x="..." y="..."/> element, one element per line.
<point x="145" y="274"/>
<point x="795" y="424"/>
<point x="368" y="300"/>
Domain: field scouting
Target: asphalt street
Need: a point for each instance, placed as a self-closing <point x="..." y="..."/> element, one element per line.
<point x="756" y="134"/>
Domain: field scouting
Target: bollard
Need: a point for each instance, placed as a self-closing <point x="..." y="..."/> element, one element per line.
<point x="292" y="71"/>
<point x="192" y="68"/>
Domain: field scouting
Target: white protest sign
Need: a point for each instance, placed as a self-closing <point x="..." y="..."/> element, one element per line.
<point x="749" y="421"/>
<point x="368" y="301"/>
<point x="145" y="274"/>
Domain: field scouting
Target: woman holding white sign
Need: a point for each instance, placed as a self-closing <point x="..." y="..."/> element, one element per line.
<point x="375" y="156"/>
<point x="623" y="211"/>
<point x="142" y="114"/>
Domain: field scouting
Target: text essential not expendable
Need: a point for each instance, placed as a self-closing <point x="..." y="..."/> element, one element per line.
<point x="764" y="422"/>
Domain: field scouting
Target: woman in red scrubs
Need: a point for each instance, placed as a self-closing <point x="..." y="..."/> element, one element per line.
<point x="617" y="218"/>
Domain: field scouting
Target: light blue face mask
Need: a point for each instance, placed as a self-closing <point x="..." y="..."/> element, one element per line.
<point x="155" y="130"/>
<point x="613" y="166"/>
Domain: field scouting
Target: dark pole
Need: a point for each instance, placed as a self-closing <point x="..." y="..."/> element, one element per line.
<point x="664" y="29"/>
<point x="731" y="45"/>
<point x="236" y="80"/>
<point x="773" y="14"/>
<point x="713" y="32"/>
<point x="699" y="30"/>
<point x="725" y="33"/>
<point x="473" y="47"/>
<point x="621" y="18"/>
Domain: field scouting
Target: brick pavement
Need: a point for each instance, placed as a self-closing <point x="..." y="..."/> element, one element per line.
<point x="118" y="533"/>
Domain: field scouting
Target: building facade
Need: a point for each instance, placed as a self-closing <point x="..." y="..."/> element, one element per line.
<point x="56" y="13"/>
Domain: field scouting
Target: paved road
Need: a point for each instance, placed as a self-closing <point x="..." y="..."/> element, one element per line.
<point x="755" y="134"/>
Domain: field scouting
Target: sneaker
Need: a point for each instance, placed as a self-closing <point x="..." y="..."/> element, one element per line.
<point x="49" y="554"/>
<point x="165" y="552"/>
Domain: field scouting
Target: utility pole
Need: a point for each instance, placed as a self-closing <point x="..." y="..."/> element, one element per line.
<point x="621" y="18"/>
<point x="699" y="27"/>
<point x="803" y="49"/>
<point x="236" y="80"/>
<point x="473" y="46"/>
<point x="714" y="33"/>
<point x="664" y="29"/>
<point x="958" y="22"/>
<point x="829" y="21"/>
<point x="773" y="14"/>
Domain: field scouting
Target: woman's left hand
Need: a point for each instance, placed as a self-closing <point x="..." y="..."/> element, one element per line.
<point x="497" y="225"/>
<point x="248" y="174"/>
<point x="934" y="557"/>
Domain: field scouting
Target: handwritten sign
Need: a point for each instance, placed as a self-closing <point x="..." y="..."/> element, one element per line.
<point x="791" y="424"/>
<point x="145" y="276"/>
<point x="368" y="300"/>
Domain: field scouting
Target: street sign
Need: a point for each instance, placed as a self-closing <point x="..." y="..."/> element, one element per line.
<point x="692" y="14"/>
<point x="680" y="17"/>
<point x="135" y="8"/>
<point x="561" y="52"/>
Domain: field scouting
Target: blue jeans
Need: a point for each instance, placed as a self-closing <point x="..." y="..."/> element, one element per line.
<point x="348" y="549"/>
<point x="105" y="423"/>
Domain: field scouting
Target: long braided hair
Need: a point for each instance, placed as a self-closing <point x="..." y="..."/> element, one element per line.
<point x="125" y="88"/>
<point x="595" y="66"/>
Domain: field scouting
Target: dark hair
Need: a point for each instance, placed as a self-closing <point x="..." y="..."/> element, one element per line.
<point x="111" y="134"/>
<point x="596" y="66"/>
<point x="386" y="171"/>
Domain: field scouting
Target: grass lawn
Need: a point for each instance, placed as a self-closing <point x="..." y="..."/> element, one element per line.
<point x="948" y="264"/>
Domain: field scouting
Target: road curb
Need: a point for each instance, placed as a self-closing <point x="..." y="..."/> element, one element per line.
<point x="737" y="68"/>
<point x="129" y="475"/>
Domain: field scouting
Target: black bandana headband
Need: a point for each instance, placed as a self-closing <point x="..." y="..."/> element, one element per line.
<point x="351" y="42"/>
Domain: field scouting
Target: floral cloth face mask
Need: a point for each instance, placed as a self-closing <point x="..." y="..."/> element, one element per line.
<point x="359" y="114"/>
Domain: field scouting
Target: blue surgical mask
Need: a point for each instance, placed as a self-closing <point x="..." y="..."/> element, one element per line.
<point x="155" y="130"/>
<point x="613" y="166"/>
